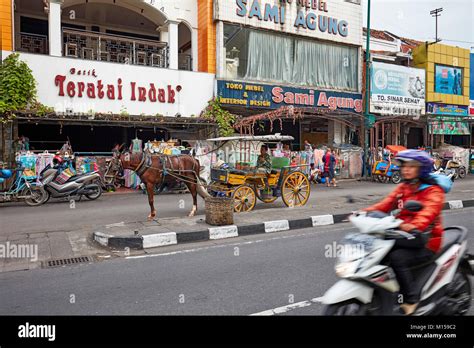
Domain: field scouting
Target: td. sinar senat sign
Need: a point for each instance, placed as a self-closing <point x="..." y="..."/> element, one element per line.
<point x="334" y="20"/>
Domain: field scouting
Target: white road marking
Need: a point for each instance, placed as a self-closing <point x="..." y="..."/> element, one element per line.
<point x="276" y="226"/>
<point x="118" y="224"/>
<point x="455" y="204"/>
<point x="322" y="220"/>
<point x="287" y="308"/>
<point x="159" y="239"/>
<point x="223" y="232"/>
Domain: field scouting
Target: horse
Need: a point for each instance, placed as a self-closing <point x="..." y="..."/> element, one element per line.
<point x="152" y="170"/>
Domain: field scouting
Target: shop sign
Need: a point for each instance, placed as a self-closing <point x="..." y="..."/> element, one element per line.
<point x="251" y="95"/>
<point x="336" y="20"/>
<point x="471" y="108"/>
<point x="448" y="80"/>
<point x="77" y="86"/>
<point x="397" y="90"/>
<point x="449" y="126"/>
<point x="448" y="110"/>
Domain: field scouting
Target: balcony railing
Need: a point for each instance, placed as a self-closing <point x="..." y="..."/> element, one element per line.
<point x="185" y="62"/>
<point x="33" y="43"/>
<point x="113" y="48"/>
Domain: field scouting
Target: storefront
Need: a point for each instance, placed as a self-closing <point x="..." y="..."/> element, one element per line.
<point x="397" y="98"/>
<point x="100" y="104"/>
<point x="305" y="55"/>
<point x="447" y="93"/>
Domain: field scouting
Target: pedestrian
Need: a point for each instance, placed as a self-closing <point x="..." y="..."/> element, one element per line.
<point x="314" y="174"/>
<point x="329" y="168"/>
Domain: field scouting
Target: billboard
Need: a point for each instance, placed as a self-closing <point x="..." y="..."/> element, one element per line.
<point x="252" y="95"/>
<point x="446" y="126"/>
<point x="448" y="80"/>
<point x="397" y="90"/>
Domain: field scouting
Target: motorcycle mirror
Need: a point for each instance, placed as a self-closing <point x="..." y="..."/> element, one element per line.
<point x="413" y="206"/>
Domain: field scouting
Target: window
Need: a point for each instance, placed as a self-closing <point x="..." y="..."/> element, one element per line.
<point x="263" y="56"/>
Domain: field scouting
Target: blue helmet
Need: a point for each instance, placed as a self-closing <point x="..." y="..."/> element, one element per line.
<point x="5" y="173"/>
<point x="423" y="158"/>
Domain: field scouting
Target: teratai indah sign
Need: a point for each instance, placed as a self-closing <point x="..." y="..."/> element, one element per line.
<point x="335" y="20"/>
<point x="84" y="87"/>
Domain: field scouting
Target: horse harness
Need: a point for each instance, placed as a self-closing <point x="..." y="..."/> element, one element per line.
<point x="167" y="167"/>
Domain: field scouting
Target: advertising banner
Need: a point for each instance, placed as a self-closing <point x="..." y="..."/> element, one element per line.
<point x="448" y="110"/>
<point x="397" y="90"/>
<point x="447" y="126"/>
<point x="448" y="80"/>
<point x="251" y="95"/>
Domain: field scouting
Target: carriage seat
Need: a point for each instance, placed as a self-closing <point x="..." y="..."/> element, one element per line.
<point x="278" y="163"/>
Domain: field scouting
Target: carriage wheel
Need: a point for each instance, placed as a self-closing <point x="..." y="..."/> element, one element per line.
<point x="295" y="190"/>
<point x="244" y="198"/>
<point x="259" y="196"/>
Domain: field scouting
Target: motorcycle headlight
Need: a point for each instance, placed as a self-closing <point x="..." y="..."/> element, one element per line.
<point x="347" y="268"/>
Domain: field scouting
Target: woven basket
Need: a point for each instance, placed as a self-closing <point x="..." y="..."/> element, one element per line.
<point x="219" y="211"/>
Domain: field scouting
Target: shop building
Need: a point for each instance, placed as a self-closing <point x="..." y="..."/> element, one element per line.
<point x="112" y="71"/>
<point x="397" y="92"/>
<point x="447" y="92"/>
<point x="295" y="61"/>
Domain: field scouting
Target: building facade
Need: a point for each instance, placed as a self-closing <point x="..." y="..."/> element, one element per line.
<point x="447" y="92"/>
<point x="397" y="92"/>
<point x="281" y="58"/>
<point x="112" y="70"/>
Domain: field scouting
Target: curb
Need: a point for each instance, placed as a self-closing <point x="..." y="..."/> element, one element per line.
<point x="222" y="232"/>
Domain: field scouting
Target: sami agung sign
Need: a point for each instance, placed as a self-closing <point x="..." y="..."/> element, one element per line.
<point x="251" y="95"/>
<point x="336" y="20"/>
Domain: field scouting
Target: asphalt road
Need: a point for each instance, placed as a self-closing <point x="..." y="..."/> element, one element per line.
<point x="245" y="275"/>
<point x="61" y="216"/>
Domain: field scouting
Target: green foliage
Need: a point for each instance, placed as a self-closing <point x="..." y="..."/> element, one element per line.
<point x="224" y="119"/>
<point x="18" y="89"/>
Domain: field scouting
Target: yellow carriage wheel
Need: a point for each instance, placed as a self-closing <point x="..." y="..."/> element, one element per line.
<point x="295" y="190"/>
<point x="259" y="196"/>
<point x="244" y="198"/>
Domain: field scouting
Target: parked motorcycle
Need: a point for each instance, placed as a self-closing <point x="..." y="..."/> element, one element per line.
<point x="22" y="187"/>
<point x="447" y="164"/>
<point x="450" y="173"/>
<point x="369" y="286"/>
<point x="87" y="184"/>
<point x="385" y="171"/>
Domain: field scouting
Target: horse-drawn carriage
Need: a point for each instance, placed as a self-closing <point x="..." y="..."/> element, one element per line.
<point x="235" y="174"/>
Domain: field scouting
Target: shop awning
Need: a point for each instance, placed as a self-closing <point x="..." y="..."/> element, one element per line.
<point x="350" y="119"/>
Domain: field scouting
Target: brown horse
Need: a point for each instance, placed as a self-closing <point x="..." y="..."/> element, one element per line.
<point x="152" y="170"/>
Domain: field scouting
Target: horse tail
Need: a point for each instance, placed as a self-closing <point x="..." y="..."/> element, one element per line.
<point x="201" y="190"/>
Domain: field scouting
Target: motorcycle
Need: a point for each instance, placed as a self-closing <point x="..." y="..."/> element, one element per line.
<point x="368" y="285"/>
<point x="450" y="173"/>
<point x="22" y="187"/>
<point x="79" y="185"/>
<point x="448" y="164"/>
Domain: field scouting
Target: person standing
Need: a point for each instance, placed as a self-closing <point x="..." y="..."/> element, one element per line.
<point x="329" y="168"/>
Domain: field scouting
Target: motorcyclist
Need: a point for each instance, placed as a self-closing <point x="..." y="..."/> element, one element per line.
<point x="421" y="185"/>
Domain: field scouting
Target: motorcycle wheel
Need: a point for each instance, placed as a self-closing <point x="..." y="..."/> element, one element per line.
<point x="95" y="195"/>
<point x="346" y="308"/>
<point x="460" y="292"/>
<point x="36" y="195"/>
<point x="396" y="178"/>
<point x="462" y="172"/>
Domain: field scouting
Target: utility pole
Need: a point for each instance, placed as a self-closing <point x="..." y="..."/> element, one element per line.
<point x="436" y="13"/>
<point x="366" y="123"/>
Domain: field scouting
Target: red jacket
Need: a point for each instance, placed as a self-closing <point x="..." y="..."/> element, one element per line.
<point x="432" y="198"/>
